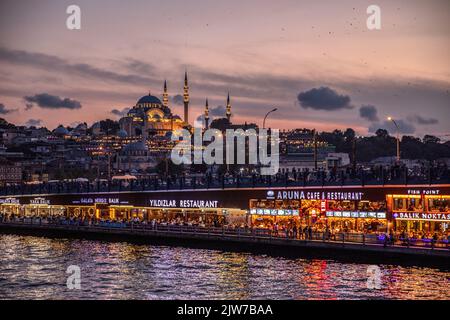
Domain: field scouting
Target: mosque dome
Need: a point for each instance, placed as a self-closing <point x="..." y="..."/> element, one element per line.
<point x="122" y="134"/>
<point x="61" y="131"/>
<point x="149" y="99"/>
<point x="81" y="126"/>
<point x="96" y="125"/>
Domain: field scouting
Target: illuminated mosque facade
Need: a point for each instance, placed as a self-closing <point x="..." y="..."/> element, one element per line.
<point x="151" y="117"/>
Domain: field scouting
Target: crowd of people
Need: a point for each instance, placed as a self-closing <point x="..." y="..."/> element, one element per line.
<point x="343" y="176"/>
<point x="289" y="230"/>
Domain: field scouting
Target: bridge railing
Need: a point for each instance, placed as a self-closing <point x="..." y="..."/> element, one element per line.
<point x="300" y="179"/>
<point x="256" y="233"/>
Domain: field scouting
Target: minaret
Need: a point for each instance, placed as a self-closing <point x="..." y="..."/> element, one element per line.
<point x="186" y="99"/>
<point x="165" y="95"/>
<point x="206" y="115"/>
<point x="228" y="107"/>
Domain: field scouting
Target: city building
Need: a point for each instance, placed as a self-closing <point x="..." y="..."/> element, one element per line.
<point x="300" y="148"/>
<point x="420" y="209"/>
<point x="136" y="156"/>
<point x="150" y="117"/>
<point x="10" y="172"/>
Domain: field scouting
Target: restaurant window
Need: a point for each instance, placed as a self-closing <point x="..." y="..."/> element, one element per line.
<point x="438" y="204"/>
<point x="275" y="204"/>
<point x="372" y="206"/>
<point x="341" y="205"/>
<point x="407" y="203"/>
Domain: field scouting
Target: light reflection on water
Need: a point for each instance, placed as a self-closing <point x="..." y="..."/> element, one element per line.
<point x="35" y="268"/>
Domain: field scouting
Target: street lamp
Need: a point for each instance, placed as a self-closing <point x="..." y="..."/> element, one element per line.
<point x="264" y="121"/>
<point x="108" y="151"/>
<point x="398" y="138"/>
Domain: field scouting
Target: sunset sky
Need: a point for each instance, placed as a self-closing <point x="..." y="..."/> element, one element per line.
<point x="315" y="61"/>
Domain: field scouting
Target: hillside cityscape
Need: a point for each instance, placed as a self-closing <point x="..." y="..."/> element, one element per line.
<point x="139" y="144"/>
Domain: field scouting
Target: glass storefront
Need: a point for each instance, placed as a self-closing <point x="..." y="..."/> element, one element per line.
<point x="421" y="215"/>
<point x="337" y="215"/>
<point x="413" y="211"/>
<point x="216" y="217"/>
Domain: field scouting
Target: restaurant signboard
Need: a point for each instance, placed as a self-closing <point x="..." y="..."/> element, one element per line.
<point x="9" y="201"/>
<point x="39" y="201"/>
<point x="314" y="195"/>
<point x="356" y="214"/>
<point x="183" y="203"/>
<point x="421" y="216"/>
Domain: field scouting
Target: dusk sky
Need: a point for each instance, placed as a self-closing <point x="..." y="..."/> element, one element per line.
<point x="316" y="61"/>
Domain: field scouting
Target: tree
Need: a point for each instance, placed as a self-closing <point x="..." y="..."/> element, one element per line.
<point x="431" y="139"/>
<point x="382" y="133"/>
<point x="110" y="127"/>
<point x="349" y="134"/>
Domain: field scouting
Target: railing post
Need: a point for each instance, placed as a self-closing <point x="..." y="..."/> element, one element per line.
<point x="406" y="175"/>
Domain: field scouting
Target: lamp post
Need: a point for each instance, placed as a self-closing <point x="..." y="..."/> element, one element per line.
<point x="398" y="138"/>
<point x="264" y="121"/>
<point x="108" y="151"/>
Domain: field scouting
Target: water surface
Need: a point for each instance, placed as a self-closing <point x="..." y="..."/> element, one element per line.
<point x="35" y="268"/>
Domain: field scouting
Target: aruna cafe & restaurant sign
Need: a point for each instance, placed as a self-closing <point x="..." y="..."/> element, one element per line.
<point x="313" y="195"/>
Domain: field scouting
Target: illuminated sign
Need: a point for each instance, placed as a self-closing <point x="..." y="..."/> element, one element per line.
<point x="163" y="203"/>
<point x="39" y="201"/>
<point x="381" y="215"/>
<point x="98" y="201"/>
<point x="425" y="192"/>
<point x="422" y="216"/>
<point x="372" y="214"/>
<point x="10" y="201"/>
<point x="356" y="214"/>
<point x="275" y="212"/>
<point x="323" y="206"/>
<point x="317" y="195"/>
